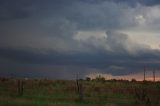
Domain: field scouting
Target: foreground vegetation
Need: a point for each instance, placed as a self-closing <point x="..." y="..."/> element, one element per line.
<point x="33" y="92"/>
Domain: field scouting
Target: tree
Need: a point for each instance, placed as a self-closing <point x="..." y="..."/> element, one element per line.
<point x="88" y="78"/>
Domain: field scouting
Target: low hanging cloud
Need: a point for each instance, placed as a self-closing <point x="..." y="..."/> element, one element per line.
<point x="114" y="42"/>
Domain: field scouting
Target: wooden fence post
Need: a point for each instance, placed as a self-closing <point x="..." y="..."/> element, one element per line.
<point x="20" y="87"/>
<point x="79" y="90"/>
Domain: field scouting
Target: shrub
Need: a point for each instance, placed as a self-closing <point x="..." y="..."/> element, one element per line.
<point x="133" y="80"/>
<point x="100" y="78"/>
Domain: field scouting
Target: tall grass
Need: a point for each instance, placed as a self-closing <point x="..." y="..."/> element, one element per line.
<point x="85" y="93"/>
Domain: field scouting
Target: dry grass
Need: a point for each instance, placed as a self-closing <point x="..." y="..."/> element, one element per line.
<point x="64" y="93"/>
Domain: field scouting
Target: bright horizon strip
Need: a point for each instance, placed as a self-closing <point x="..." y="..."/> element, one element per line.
<point x="137" y="76"/>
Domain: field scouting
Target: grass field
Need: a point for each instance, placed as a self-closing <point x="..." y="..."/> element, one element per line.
<point x="66" y="93"/>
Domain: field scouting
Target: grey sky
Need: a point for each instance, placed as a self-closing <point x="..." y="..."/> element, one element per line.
<point x="63" y="38"/>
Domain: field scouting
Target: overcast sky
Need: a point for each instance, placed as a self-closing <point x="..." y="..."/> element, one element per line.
<point x="61" y="38"/>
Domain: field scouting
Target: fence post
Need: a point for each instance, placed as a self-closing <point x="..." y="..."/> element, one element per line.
<point x="80" y="90"/>
<point x="20" y="87"/>
<point x="144" y="73"/>
<point x="154" y="75"/>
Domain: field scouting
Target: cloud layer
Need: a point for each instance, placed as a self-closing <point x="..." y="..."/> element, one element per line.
<point x="115" y="36"/>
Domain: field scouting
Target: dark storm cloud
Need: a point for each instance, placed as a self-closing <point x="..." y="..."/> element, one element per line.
<point x="39" y="35"/>
<point x="129" y="2"/>
<point x="143" y="2"/>
<point x="104" y="62"/>
<point x="20" y="9"/>
<point x="85" y="14"/>
<point x="16" y="9"/>
<point x="90" y="14"/>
